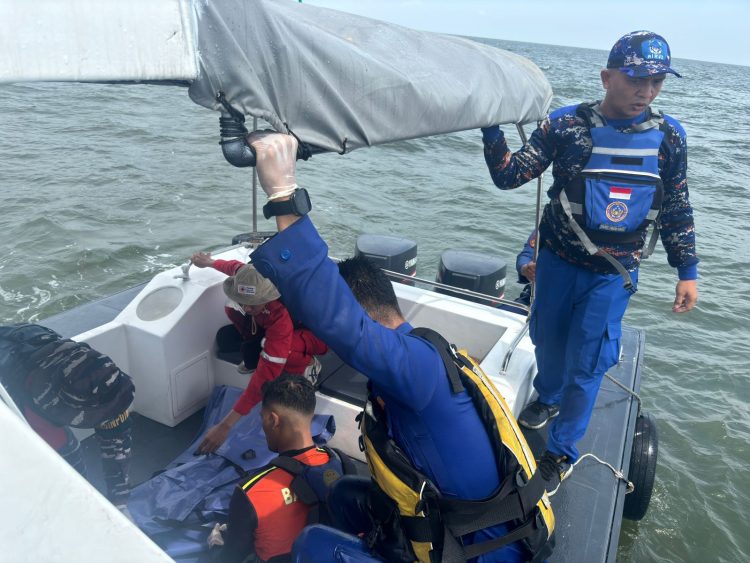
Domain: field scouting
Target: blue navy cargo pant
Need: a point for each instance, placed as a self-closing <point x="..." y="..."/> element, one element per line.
<point x="576" y="327"/>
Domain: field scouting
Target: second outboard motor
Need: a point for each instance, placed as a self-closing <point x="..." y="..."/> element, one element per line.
<point x="389" y="252"/>
<point x="474" y="271"/>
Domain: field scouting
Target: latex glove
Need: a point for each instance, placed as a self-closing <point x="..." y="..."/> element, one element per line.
<point x="202" y="259"/>
<point x="215" y="538"/>
<point x="686" y="296"/>
<point x="276" y="162"/>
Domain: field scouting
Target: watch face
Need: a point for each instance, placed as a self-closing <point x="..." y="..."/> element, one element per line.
<point x="302" y="204"/>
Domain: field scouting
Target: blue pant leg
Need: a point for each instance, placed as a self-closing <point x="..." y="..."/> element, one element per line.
<point x="549" y="328"/>
<point x="593" y="347"/>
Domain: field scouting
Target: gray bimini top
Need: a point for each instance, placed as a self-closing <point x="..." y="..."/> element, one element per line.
<point x="341" y="82"/>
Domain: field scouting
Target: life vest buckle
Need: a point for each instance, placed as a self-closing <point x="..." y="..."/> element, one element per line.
<point x="521" y="479"/>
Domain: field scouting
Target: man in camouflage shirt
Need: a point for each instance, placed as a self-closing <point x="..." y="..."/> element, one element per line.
<point x="580" y="295"/>
<point x="58" y="383"/>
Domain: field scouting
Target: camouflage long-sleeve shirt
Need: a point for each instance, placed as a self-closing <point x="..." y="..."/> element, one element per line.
<point x="564" y="141"/>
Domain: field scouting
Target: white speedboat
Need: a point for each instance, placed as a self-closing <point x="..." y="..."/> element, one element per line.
<point x="242" y="56"/>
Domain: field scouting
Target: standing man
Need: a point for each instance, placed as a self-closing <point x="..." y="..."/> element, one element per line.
<point x="619" y="167"/>
<point x="438" y="428"/>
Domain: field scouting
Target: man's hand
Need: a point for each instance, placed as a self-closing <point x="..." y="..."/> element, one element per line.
<point x="529" y="271"/>
<point x="276" y="162"/>
<point x="214" y="438"/>
<point x="686" y="296"/>
<point x="202" y="259"/>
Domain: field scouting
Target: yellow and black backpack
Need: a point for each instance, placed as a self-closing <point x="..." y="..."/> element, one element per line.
<point x="412" y="521"/>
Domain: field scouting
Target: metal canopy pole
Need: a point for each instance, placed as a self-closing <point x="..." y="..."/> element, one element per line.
<point x="525" y="330"/>
<point x="538" y="218"/>
<point x="255" y="187"/>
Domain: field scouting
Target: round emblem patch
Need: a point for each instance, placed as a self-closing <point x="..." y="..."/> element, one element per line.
<point x="330" y="476"/>
<point x="616" y="211"/>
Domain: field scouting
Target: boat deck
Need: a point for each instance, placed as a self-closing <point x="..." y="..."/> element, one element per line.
<point x="588" y="506"/>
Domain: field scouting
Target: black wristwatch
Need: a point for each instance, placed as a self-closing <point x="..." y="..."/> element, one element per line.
<point x="298" y="204"/>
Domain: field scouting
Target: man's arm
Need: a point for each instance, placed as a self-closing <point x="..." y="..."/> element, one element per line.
<point x="239" y="541"/>
<point x="296" y="261"/>
<point x="510" y="170"/>
<point x="525" y="264"/>
<point x="204" y="260"/>
<point x="677" y="226"/>
<point x="273" y="358"/>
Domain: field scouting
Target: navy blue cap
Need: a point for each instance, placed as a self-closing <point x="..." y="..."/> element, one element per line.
<point x="641" y="53"/>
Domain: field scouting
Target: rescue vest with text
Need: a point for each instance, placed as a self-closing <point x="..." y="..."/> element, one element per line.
<point x="412" y="521"/>
<point x="618" y="193"/>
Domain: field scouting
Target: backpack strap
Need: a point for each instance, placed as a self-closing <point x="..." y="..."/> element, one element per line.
<point x="299" y="485"/>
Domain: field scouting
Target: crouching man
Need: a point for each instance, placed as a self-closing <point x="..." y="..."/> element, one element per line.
<point x="271" y="506"/>
<point x="58" y="383"/>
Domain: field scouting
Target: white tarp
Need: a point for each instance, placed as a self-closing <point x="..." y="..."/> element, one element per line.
<point x="96" y="40"/>
<point x="341" y="81"/>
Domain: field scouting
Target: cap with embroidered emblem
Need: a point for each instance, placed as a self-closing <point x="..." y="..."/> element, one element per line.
<point x="641" y="53"/>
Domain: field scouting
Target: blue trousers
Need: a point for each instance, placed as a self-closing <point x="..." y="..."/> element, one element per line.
<point x="576" y="327"/>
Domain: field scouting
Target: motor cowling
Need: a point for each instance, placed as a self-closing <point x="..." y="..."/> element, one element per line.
<point x="475" y="271"/>
<point x="393" y="253"/>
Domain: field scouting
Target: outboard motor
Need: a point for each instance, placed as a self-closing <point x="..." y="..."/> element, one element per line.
<point x="474" y="271"/>
<point x="389" y="252"/>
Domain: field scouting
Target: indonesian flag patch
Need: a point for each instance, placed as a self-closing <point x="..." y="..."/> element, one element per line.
<point x="620" y="193"/>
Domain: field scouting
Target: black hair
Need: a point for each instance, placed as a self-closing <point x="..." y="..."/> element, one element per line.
<point x="370" y="286"/>
<point x="291" y="391"/>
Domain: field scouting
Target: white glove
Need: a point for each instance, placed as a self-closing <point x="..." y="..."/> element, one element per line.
<point x="215" y="538"/>
<point x="276" y="161"/>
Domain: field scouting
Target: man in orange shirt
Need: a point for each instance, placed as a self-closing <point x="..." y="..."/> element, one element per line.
<point x="268" y="511"/>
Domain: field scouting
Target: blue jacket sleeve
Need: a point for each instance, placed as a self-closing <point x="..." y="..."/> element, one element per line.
<point x="297" y="262"/>
<point x="677" y="227"/>
<point x="510" y="170"/>
<point x="525" y="256"/>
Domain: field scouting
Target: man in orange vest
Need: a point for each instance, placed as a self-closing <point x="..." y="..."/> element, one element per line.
<point x="268" y="511"/>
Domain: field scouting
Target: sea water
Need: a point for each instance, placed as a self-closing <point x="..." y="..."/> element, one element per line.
<point x="105" y="185"/>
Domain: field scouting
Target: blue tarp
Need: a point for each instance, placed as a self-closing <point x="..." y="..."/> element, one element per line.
<point x="178" y="507"/>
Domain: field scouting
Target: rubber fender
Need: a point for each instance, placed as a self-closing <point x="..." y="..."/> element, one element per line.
<point x="642" y="470"/>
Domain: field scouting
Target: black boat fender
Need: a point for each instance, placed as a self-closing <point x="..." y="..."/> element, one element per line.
<point x="642" y="470"/>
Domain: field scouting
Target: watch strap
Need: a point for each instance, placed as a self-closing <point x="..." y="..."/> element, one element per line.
<point x="274" y="208"/>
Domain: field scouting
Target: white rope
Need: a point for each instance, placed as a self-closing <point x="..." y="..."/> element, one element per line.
<point x="619" y="474"/>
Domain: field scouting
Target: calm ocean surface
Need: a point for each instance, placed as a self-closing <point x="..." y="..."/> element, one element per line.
<point x="105" y="185"/>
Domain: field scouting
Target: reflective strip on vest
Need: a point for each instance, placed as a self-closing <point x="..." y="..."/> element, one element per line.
<point x="273" y="359"/>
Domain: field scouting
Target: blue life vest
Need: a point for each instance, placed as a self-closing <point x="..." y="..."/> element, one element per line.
<point x="618" y="193"/>
<point x="312" y="483"/>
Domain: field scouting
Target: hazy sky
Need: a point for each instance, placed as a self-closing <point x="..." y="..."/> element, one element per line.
<point x="705" y="30"/>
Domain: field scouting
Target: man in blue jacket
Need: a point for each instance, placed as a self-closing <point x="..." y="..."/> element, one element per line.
<point x="440" y="431"/>
<point x="618" y="168"/>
